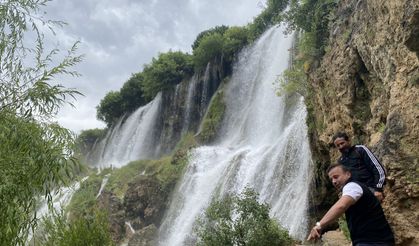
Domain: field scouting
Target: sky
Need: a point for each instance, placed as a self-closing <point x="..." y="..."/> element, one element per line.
<point x="119" y="36"/>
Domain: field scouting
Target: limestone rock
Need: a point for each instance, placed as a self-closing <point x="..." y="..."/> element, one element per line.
<point x="367" y="85"/>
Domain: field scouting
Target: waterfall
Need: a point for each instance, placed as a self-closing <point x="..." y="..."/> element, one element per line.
<point x="131" y="138"/>
<point x="189" y="101"/>
<point x="263" y="144"/>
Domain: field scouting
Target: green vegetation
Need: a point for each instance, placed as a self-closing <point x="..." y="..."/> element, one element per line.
<point x="240" y="220"/>
<point x="210" y="48"/>
<point x="312" y="18"/>
<point x="215" y="30"/>
<point x="219" y="44"/>
<point x="109" y="108"/>
<point x="166" y="170"/>
<point x="83" y="202"/>
<point x="35" y="153"/>
<point x="88" y="230"/>
<point x="343" y="226"/>
<point x="293" y="80"/>
<point x="213" y="117"/>
<point x="162" y="73"/>
<point x="168" y="70"/>
<point x="271" y="15"/>
<point x="87" y="138"/>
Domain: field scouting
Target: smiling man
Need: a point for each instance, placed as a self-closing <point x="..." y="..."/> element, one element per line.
<point x="366" y="221"/>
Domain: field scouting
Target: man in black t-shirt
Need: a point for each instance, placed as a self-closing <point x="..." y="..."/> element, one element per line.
<point x="366" y="221"/>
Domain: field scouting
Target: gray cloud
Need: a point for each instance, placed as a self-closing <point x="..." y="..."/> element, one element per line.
<point x="119" y="37"/>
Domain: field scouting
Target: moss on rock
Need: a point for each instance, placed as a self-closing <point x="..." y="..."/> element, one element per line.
<point x="212" y="119"/>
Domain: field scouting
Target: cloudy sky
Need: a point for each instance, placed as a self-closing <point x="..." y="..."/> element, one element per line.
<point x="119" y="36"/>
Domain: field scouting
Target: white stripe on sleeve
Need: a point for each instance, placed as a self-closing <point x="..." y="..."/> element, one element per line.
<point x="376" y="164"/>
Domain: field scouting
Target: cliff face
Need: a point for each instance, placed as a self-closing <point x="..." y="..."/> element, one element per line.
<point x="367" y="85"/>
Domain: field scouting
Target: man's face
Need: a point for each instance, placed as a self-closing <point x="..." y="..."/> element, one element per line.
<point x="339" y="177"/>
<point x="342" y="144"/>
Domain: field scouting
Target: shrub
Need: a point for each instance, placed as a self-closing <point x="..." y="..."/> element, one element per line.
<point x="213" y="117"/>
<point x="89" y="230"/>
<point x="240" y="220"/>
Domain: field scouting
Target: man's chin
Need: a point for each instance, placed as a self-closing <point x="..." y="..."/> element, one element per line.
<point x="343" y="151"/>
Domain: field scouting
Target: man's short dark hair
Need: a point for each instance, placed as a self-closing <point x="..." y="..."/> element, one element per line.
<point x="344" y="168"/>
<point x="340" y="135"/>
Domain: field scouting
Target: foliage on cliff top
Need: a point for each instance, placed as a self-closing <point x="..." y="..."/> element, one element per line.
<point x="240" y="220"/>
<point x="35" y="153"/>
<point x="168" y="70"/>
<point x="216" y="45"/>
<point x="165" y="72"/>
<point x="87" y="138"/>
<point x="312" y="18"/>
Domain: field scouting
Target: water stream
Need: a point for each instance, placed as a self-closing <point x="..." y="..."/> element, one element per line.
<point x="263" y="145"/>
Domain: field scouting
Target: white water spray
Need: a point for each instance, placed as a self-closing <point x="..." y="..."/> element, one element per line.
<point x="131" y="139"/>
<point x="263" y="145"/>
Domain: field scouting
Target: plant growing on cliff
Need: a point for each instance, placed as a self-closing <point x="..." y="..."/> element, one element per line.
<point x="35" y="153"/>
<point x="88" y="230"/>
<point x="213" y="117"/>
<point x="240" y="220"/>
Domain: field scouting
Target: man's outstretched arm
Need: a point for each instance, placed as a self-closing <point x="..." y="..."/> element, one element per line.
<point x="337" y="210"/>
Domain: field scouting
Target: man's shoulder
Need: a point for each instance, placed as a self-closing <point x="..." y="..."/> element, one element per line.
<point x="361" y="149"/>
<point x="353" y="189"/>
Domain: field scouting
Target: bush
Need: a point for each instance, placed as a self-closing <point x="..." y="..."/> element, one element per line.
<point x="213" y="117"/>
<point x="240" y="220"/>
<point x="293" y="80"/>
<point x="90" y="230"/>
<point x="84" y="201"/>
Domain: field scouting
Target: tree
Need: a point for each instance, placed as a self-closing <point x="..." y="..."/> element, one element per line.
<point x="240" y="220"/>
<point x="210" y="47"/>
<point x="110" y="108"/>
<point x="35" y="152"/>
<point x="218" y="29"/>
<point x="165" y="72"/>
<point x="132" y="94"/>
<point x="235" y="38"/>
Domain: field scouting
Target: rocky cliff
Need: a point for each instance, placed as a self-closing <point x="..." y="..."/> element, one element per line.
<point x="367" y="84"/>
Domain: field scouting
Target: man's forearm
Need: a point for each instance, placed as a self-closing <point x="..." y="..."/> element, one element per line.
<point x="337" y="210"/>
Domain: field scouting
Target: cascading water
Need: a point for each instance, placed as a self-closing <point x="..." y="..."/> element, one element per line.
<point x="154" y="129"/>
<point x="263" y="145"/>
<point x="129" y="140"/>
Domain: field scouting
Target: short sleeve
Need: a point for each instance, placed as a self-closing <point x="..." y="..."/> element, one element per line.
<point x="353" y="190"/>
